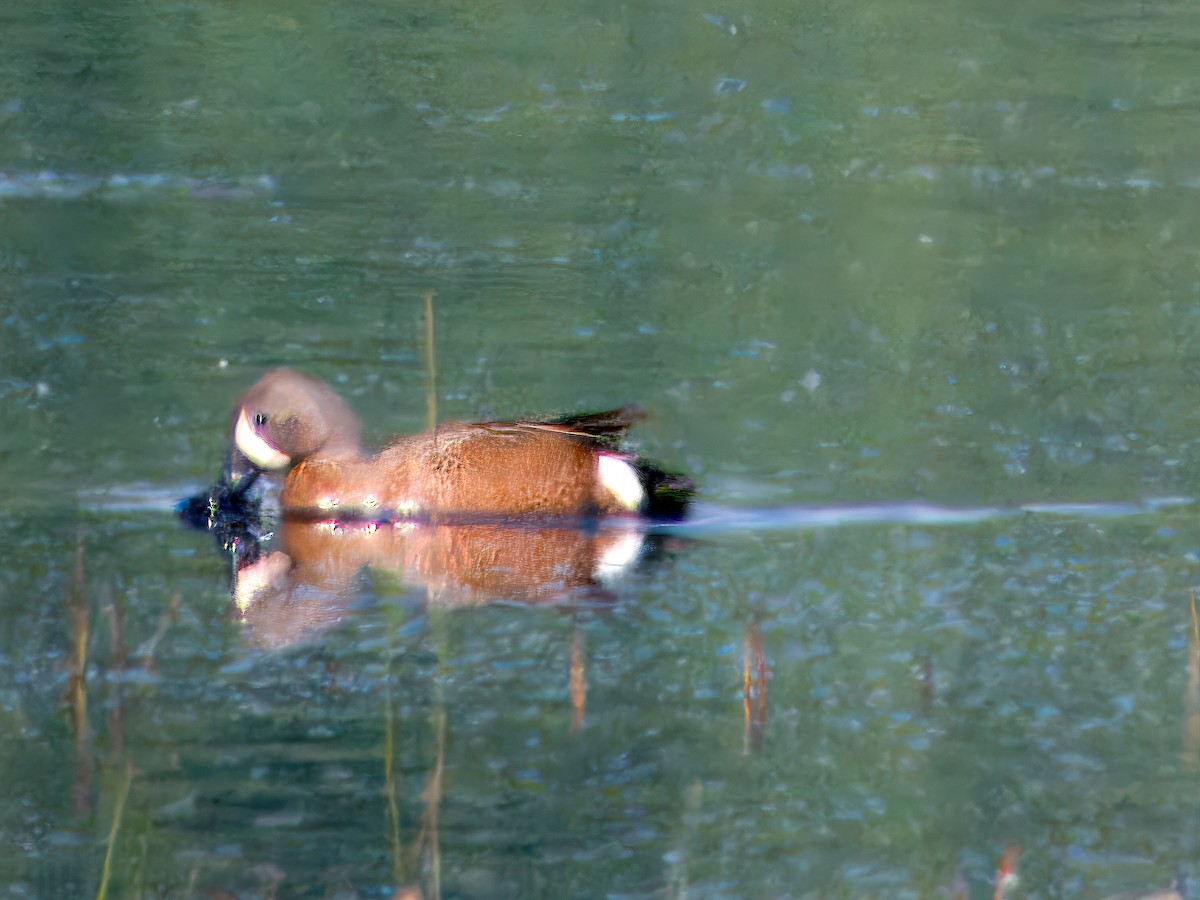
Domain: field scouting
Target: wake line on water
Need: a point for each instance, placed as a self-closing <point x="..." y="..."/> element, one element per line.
<point x="709" y="518"/>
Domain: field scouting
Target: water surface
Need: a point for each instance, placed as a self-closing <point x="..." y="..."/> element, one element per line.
<point x="909" y="288"/>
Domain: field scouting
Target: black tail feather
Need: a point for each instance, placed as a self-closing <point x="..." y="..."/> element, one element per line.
<point x="667" y="494"/>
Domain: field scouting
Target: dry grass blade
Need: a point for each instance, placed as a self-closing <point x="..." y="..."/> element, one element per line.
<point x="430" y="366"/>
<point x="118" y="812"/>
<point x="76" y="699"/>
<point x="1191" y="699"/>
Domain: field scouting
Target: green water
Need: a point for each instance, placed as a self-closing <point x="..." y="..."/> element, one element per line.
<point x="866" y="253"/>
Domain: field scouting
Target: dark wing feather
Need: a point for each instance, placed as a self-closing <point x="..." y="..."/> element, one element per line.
<point x="609" y="423"/>
<point x="608" y="426"/>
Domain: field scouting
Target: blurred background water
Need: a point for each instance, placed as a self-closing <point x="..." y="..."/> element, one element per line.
<point x="876" y="253"/>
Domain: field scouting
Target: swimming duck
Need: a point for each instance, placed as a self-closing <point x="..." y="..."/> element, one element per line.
<point x="574" y="467"/>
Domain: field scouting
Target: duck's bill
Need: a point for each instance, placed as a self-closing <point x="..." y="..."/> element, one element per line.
<point x="239" y="472"/>
<point x="219" y="504"/>
<point x="228" y="504"/>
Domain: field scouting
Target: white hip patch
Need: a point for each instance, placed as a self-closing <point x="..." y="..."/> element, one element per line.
<point x="620" y="478"/>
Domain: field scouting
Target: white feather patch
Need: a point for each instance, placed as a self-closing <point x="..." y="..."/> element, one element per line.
<point x="254" y="448"/>
<point x="621" y="480"/>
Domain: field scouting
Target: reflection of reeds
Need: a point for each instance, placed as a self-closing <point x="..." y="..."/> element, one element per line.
<point x="405" y="866"/>
<point x="76" y="699"/>
<point x="118" y="811"/>
<point x="1006" y="873"/>
<point x="578" y="681"/>
<point x="677" y="872"/>
<point x="389" y="775"/>
<point x="428" y="839"/>
<point x="1191" y="737"/>
<point x="79" y="606"/>
<point x="754" y="689"/>
<point x="115" y="729"/>
<point x="165" y="621"/>
<point x="927" y="686"/>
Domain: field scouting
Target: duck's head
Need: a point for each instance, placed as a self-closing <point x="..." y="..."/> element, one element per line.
<point x="284" y="418"/>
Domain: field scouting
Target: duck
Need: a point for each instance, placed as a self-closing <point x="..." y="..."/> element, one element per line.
<point x="294" y="426"/>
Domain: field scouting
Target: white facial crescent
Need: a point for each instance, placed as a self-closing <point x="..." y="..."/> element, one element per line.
<point x="254" y="447"/>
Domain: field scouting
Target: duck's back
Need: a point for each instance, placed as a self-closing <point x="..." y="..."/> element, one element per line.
<point x="473" y="472"/>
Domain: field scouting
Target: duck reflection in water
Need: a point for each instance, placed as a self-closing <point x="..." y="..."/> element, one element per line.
<point x="312" y="583"/>
<point x="528" y="511"/>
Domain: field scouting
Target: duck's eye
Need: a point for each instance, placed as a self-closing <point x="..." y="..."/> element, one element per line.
<point x="260" y="418"/>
